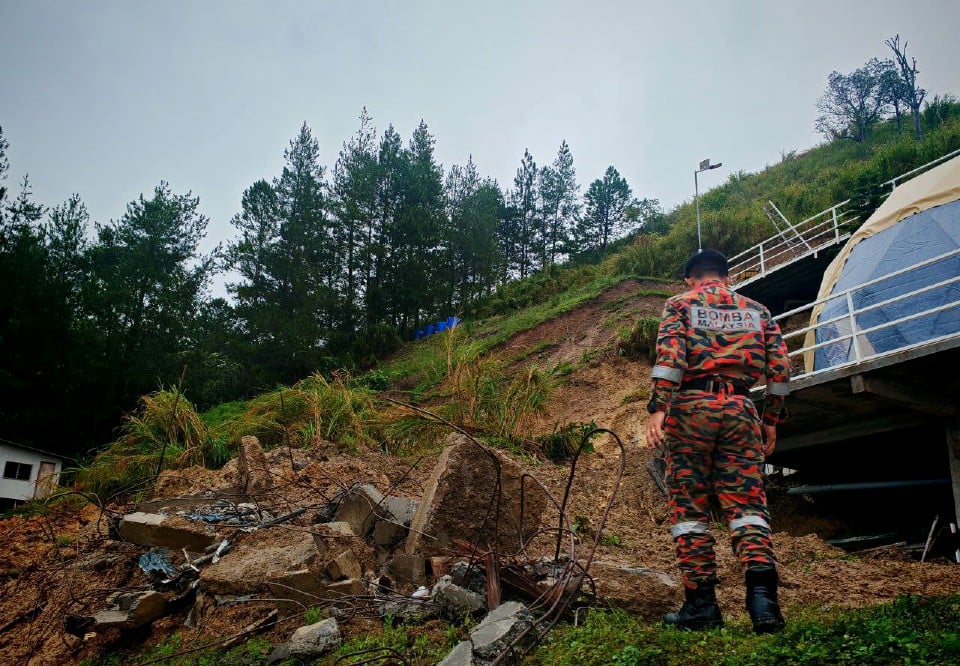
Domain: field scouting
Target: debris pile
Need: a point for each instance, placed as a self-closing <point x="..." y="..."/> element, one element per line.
<point x="477" y="542"/>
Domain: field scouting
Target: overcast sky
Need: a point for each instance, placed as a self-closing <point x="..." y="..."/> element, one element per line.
<point x="108" y="98"/>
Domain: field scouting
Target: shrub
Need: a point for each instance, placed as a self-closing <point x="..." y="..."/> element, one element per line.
<point x="165" y="432"/>
<point x="563" y="442"/>
<point x="640" y="341"/>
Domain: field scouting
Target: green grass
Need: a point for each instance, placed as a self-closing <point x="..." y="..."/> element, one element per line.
<point x="414" y="643"/>
<point x="911" y="630"/>
<point x="428" y="358"/>
<point x="253" y="652"/>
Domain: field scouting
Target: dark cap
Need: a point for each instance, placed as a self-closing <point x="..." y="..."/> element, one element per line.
<point x="707" y="261"/>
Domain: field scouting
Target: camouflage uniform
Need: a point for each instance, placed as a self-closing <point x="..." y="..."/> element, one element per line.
<point x="712" y="438"/>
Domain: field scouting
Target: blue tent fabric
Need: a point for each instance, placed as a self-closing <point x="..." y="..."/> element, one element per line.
<point x="911" y="241"/>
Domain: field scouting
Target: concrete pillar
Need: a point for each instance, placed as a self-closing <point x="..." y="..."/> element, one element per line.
<point x="953" y="451"/>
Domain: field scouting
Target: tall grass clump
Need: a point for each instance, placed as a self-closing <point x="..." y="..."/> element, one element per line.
<point x="484" y="398"/>
<point x="640" y="342"/>
<point x="312" y="410"/>
<point x="166" y="432"/>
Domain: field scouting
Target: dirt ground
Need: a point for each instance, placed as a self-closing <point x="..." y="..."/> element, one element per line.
<point x="64" y="563"/>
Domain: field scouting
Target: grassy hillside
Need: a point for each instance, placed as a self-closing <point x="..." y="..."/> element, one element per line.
<point x="449" y="371"/>
<point x="800" y="185"/>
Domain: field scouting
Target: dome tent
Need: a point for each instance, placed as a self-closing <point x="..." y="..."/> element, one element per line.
<point x="917" y="224"/>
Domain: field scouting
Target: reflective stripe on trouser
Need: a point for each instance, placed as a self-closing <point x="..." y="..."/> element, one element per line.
<point x="713" y="445"/>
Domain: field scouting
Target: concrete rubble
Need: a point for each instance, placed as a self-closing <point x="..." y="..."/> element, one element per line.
<point x="357" y="550"/>
<point x="153" y="529"/>
<point x="463" y="475"/>
<point x="308" y="642"/>
<point x="645" y="592"/>
<point x="454" y="602"/>
<point x="255" y="475"/>
<point x="493" y="636"/>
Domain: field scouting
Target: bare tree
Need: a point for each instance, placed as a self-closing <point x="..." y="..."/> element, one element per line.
<point x="912" y="95"/>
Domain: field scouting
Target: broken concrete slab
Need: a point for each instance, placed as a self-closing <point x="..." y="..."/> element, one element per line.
<point x="146" y="608"/>
<point x="331" y="539"/>
<point x="308" y="642"/>
<point x="455" y="602"/>
<point x="344" y="565"/>
<point x="408" y="569"/>
<point x="303" y="586"/>
<point x="645" y="592"/>
<point x="499" y="629"/>
<point x="257" y="559"/>
<point x="131" y="611"/>
<point x="154" y="529"/>
<point x="255" y="475"/>
<point x="360" y="507"/>
<point x="460" y="655"/>
<point x="410" y="609"/>
<point x="457" y="496"/>
<point x="403" y="509"/>
<point x="351" y="587"/>
<point x="108" y="619"/>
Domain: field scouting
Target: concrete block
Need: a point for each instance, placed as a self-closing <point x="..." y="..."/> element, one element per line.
<point x="345" y="588"/>
<point x="461" y="655"/>
<point x="302" y="585"/>
<point x="359" y="507"/>
<point x="408" y="569"/>
<point x="146" y="608"/>
<point x="154" y="529"/>
<point x="458" y="494"/>
<point x="344" y="565"/>
<point x="255" y="475"/>
<point x="499" y="629"/>
<point x="645" y="592"/>
<point x="456" y="602"/>
<point x="259" y="558"/>
<point x="308" y="642"/>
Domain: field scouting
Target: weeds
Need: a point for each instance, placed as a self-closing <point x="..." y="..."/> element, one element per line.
<point x="910" y="630"/>
<point x="165" y="432"/>
<point x="561" y="444"/>
<point x="640" y="342"/>
<point x="314" y="409"/>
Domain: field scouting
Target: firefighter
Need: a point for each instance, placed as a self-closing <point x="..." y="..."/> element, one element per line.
<point x="712" y="346"/>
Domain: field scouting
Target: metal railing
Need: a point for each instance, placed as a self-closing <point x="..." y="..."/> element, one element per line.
<point x="893" y="182"/>
<point x="847" y="330"/>
<point x="824" y="229"/>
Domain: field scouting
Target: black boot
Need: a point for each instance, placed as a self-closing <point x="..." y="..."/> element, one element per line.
<point x="700" y="610"/>
<point x="762" y="600"/>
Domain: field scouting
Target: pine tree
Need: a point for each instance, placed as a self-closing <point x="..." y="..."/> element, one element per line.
<point x="521" y="234"/>
<point x="147" y="282"/>
<point x="414" y="235"/>
<point x="355" y="182"/>
<point x="559" y="194"/>
<point x="606" y="202"/>
<point x="474" y="208"/>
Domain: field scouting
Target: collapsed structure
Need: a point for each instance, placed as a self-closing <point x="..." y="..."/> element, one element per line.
<point x="484" y="539"/>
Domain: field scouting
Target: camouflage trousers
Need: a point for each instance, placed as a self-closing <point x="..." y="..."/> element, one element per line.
<point x="714" y="448"/>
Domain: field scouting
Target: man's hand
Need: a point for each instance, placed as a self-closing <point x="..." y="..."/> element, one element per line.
<point x="655" y="430"/>
<point x="770" y="435"/>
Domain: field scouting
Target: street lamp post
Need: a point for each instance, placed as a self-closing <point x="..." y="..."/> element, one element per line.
<point x="704" y="166"/>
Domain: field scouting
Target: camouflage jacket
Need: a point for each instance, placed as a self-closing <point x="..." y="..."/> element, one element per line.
<point x="713" y="332"/>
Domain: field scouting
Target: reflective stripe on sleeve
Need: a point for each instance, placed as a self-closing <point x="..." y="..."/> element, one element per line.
<point x="745" y="521"/>
<point x="690" y="527"/>
<point x="666" y="372"/>
<point x="778" y="388"/>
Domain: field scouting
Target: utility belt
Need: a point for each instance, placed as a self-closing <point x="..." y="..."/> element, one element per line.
<point x="715" y="385"/>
